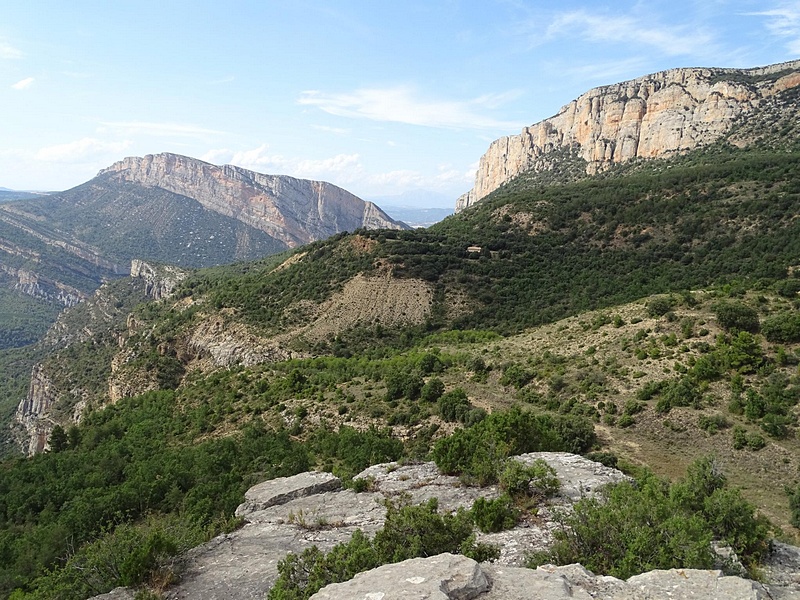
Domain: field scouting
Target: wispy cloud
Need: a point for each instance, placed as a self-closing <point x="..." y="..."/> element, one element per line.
<point x="23" y="84"/>
<point x="7" y="51"/>
<point x="336" y="130"/>
<point x="672" y="40"/>
<point x="81" y="150"/>
<point x="261" y="160"/>
<point x="608" y="71"/>
<point x="131" y="128"/>
<point x="343" y="169"/>
<point x="784" y="22"/>
<point x="401" y="105"/>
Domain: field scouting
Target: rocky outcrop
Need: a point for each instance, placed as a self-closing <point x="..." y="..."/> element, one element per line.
<point x="290" y="514"/>
<point x="450" y="577"/>
<point x="32" y="412"/>
<point x="652" y="116"/>
<point x="36" y="285"/>
<point x="294" y="211"/>
<point x="160" y="280"/>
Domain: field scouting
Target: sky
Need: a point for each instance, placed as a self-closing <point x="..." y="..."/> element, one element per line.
<point x="380" y="97"/>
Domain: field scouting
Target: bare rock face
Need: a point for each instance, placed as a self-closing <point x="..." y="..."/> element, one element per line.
<point x="441" y="577"/>
<point x="160" y="280"/>
<point x="294" y="211"/>
<point x="33" y="410"/>
<point x="291" y="514"/>
<point x="653" y="116"/>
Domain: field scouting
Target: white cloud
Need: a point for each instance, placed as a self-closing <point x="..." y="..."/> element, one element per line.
<point x="400" y="105"/>
<point x="336" y="130"/>
<point x="131" y="128"/>
<point x="23" y="84"/>
<point x="784" y="22"/>
<point x="7" y="51"/>
<point x="345" y="170"/>
<point x="81" y="150"/>
<point x="260" y="160"/>
<point x="611" y="71"/>
<point x="671" y="40"/>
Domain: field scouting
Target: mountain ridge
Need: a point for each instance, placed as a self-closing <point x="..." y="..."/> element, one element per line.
<point x="652" y="116"/>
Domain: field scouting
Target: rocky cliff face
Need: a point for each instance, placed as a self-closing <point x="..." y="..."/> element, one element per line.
<point x="652" y="116"/>
<point x="294" y="211"/>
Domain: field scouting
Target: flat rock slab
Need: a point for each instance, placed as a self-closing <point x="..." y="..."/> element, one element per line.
<point x="690" y="584"/>
<point x="283" y="489"/>
<point x="448" y="577"/>
<point x="441" y="577"/>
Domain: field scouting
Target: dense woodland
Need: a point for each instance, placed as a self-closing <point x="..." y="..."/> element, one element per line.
<point x="140" y="481"/>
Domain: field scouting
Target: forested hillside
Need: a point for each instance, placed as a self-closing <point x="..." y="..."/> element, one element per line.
<point x="648" y="315"/>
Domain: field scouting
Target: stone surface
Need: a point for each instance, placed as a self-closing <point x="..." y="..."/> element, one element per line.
<point x="449" y="577"/>
<point x="648" y="117"/>
<point x="294" y="513"/>
<point x="285" y="515"/>
<point x="116" y="594"/>
<point x="294" y="211"/>
<point x="442" y="577"/>
<point x="283" y="489"/>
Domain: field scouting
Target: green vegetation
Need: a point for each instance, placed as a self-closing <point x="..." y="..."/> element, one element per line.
<point x="651" y="524"/>
<point x="409" y="532"/>
<point x="476" y="453"/>
<point x="118" y="495"/>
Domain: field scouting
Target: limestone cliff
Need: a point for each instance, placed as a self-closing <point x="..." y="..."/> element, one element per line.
<point x="294" y="211"/>
<point x="649" y="117"/>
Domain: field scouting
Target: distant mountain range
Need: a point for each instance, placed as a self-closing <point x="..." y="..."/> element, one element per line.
<point x="59" y="248"/>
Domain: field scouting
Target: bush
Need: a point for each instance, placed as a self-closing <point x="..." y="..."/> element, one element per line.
<point x="713" y="423"/>
<point x="491" y="516"/>
<point x="454" y="405"/>
<point x="477" y="453"/>
<point x="659" y="306"/>
<point x="794" y="505"/>
<point x="783" y="327"/>
<point x="649" y="525"/>
<point x="409" y="532"/>
<point x="432" y="390"/>
<point x="519" y="479"/>
<point x="736" y="316"/>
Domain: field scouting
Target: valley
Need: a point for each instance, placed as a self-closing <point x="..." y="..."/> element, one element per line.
<point x="644" y="313"/>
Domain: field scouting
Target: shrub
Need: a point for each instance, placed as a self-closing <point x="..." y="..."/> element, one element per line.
<point x="736" y="316"/>
<point x="515" y="375"/>
<point x="625" y="421"/>
<point x="491" y="516"/>
<point x="432" y="390"/>
<point x="651" y="524"/>
<point x="794" y="505"/>
<point x="454" y="405"/>
<point x="477" y="453"/>
<point x="659" y="306"/>
<point x="408" y="532"/>
<point x="713" y="423"/>
<point x="783" y="327"/>
<point x="538" y="478"/>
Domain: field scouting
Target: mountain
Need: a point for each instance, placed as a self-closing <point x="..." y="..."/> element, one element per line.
<point x="645" y="315"/>
<point x="649" y="117"/>
<point x="167" y="208"/>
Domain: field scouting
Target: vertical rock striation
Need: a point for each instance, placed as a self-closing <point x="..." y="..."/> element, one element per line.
<point x="294" y="211"/>
<point x="653" y="116"/>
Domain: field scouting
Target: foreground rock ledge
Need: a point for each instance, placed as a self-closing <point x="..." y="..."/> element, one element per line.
<point x="450" y="577"/>
<point x="291" y="514"/>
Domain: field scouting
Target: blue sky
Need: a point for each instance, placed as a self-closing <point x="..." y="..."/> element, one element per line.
<point x="378" y="97"/>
